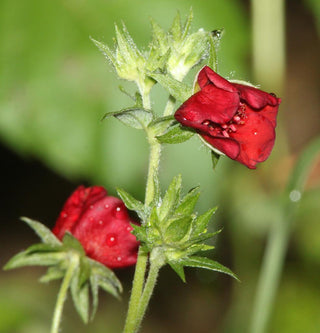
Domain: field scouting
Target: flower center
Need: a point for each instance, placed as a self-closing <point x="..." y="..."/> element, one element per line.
<point x="225" y="129"/>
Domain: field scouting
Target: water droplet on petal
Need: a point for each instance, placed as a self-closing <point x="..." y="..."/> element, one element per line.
<point x="120" y="212"/>
<point x="119" y="258"/>
<point x="106" y="206"/>
<point x="111" y="240"/>
<point x="100" y="222"/>
<point x="129" y="228"/>
<point x="64" y="215"/>
<point x="255" y="131"/>
<point x="295" y="195"/>
<point x="91" y="206"/>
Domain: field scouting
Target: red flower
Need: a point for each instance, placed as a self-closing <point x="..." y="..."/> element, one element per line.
<point x="236" y="119"/>
<point x="102" y="225"/>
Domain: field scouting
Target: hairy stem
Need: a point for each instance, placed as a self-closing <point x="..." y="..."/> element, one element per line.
<point x="139" y="276"/>
<point x="147" y="292"/>
<point x="136" y="292"/>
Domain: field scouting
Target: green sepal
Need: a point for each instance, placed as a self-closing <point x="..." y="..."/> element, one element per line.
<point x="177" y="229"/>
<point x="135" y="117"/>
<point x="109" y="54"/>
<point x="131" y="203"/>
<point x="212" y="60"/>
<point x="140" y="232"/>
<point x="187" y="25"/>
<point x="42" y="231"/>
<point x="104" y="278"/>
<point x="187" y="204"/>
<point x="34" y="259"/>
<point x="53" y="273"/>
<point x="195" y="248"/>
<point x="199" y="239"/>
<point x="80" y="296"/>
<point x="42" y="247"/>
<point x="200" y="224"/>
<point x="206" y="263"/>
<point x="171" y="198"/>
<point x="176" y="134"/>
<point x="70" y="242"/>
<point x="178" y="268"/>
<point x="180" y="91"/>
<point x="59" y="256"/>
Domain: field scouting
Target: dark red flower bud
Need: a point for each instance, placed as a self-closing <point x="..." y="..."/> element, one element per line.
<point x="102" y="225"/>
<point x="236" y="119"/>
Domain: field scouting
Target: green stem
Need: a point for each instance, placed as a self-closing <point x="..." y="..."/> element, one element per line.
<point x="139" y="276"/>
<point x="154" y="161"/>
<point x="74" y="261"/>
<point x="136" y="292"/>
<point x="147" y="293"/>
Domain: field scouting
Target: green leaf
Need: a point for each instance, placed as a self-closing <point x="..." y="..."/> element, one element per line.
<point x="42" y="231"/>
<point x="178" y="268"/>
<point x="35" y="259"/>
<point x="171" y="198"/>
<point x="200" y="224"/>
<point x="176" y="134"/>
<point x="177" y="229"/>
<point x="187" y="204"/>
<point x="132" y="203"/>
<point x="71" y="242"/>
<point x="215" y="159"/>
<point x="138" y="118"/>
<point x="206" y="263"/>
<point x="180" y="91"/>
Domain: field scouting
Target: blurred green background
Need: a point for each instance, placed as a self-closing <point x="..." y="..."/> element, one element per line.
<point x="54" y="88"/>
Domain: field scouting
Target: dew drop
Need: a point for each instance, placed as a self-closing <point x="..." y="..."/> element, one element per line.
<point x="295" y="195"/>
<point x="64" y="215"/>
<point x="111" y="240"/>
<point x="106" y="206"/>
<point x="119" y="258"/>
<point x="100" y="222"/>
<point x="255" y="131"/>
<point x="129" y="228"/>
<point x="120" y="212"/>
